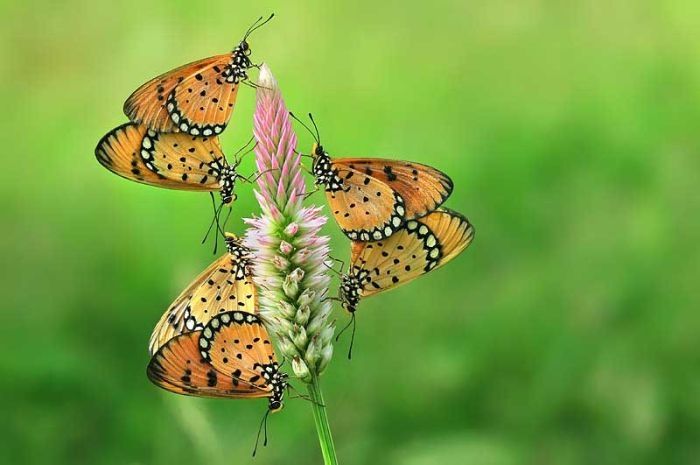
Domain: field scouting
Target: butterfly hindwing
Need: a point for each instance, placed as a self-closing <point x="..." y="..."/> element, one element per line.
<point x="371" y="198"/>
<point x="421" y="187"/>
<point x="224" y="286"/>
<point x="422" y="246"/>
<point x="203" y="105"/>
<point x="180" y="368"/>
<point x="365" y="208"/>
<point x="238" y="344"/>
<point x="171" y="102"/>
<point x="171" y="160"/>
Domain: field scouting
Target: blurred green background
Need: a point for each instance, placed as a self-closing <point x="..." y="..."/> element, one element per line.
<point x="568" y="332"/>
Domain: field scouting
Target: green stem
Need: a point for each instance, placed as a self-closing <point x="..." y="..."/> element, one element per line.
<point x="322" y="427"/>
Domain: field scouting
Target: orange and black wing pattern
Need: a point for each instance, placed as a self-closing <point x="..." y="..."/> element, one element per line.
<point x="197" y="98"/>
<point x="421" y="187"/>
<point x="170" y="160"/>
<point x="231" y="357"/>
<point x="371" y="198"/>
<point x="225" y="285"/>
<point x="421" y="246"/>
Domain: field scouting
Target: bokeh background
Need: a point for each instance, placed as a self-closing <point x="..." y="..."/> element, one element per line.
<point x="567" y="334"/>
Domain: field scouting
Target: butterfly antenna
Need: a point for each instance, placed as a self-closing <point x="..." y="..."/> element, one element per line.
<point x="318" y="134"/>
<point x="220" y="230"/>
<point x="255" y="25"/>
<point x="214" y="219"/>
<point x="263" y="426"/>
<point x="228" y="215"/>
<point x="352" y="337"/>
<point x="315" y="136"/>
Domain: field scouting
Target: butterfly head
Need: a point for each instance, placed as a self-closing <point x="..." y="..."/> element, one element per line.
<point x="240" y="56"/>
<point x="244" y="47"/>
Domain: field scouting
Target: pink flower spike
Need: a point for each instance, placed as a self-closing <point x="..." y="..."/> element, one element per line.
<point x="285" y="226"/>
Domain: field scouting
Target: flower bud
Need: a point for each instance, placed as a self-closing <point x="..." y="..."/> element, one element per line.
<point x="288" y="310"/>
<point x="326" y="355"/>
<point x="301" y="369"/>
<point x="286" y="248"/>
<point x="280" y="263"/>
<point x="299" y="337"/>
<point x="313" y="352"/>
<point x="292" y="229"/>
<point x="290" y="286"/>
<point x="303" y="314"/>
<point x="306" y="297"/>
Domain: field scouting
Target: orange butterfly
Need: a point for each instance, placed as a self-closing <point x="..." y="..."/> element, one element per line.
<point x="421" y="246"/>
<point x="224" y="286"/>
<point x="197" y="98"/>
<point x="372" y="198"/>
<point x="171" y="160"/>
<point x="232" y="357"/>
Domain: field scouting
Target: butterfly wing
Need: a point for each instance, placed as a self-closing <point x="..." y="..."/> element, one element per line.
<point x="223" y="286"/>
<point x="195" y="98"/>
<point x="420" y="247"/>
<point x="179" y="367"/>
<point x="202" y="105"/>
<point x="237" y="343"/>
<point x="421" y="187"/>
<point x="365" y="208"/>
<point x="172" y="160"/>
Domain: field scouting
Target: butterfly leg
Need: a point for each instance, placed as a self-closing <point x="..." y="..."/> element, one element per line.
<point x="333" y="270"/>
<point x="299" y="395"/>
<point x="302" y="154"/>
<point x="337" y="260"/>
<point x="254" y="85"/>
<point x="237" y="161"/>
<point x="310" y="193"/>
<point x="247" y="179"/>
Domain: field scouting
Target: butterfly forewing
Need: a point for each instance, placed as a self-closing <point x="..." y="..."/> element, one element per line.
<point x="186" y="99"/>
<point x="172" y="160"/>
<point x="421" y="187"/>
<point x="420" y="247"/>
<point x="224" y="286"/>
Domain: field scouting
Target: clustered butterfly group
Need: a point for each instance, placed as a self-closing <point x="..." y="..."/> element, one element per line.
<point x="210" y="342"/>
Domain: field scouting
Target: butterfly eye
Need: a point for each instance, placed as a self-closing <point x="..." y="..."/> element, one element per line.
<point x="275" y="406"/>
<point x="319" y="150"/>
<point x="244" y="46"/>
